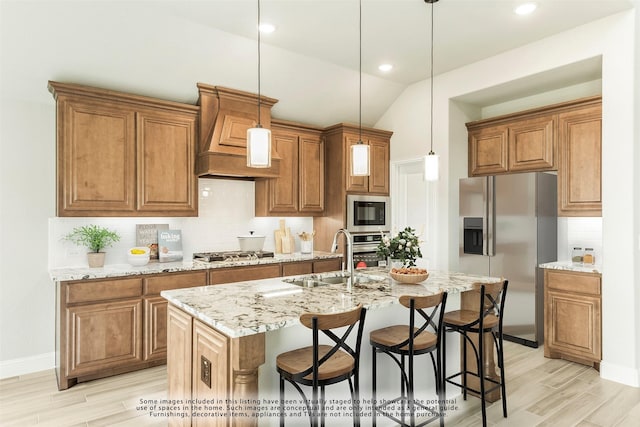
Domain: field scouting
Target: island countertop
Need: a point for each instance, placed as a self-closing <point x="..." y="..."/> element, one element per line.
<point x="247" y="308"/>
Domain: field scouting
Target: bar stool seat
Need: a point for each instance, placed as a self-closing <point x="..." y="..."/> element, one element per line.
<point x="393" y="336"/>
<point x="320" y="365"/>
<point x="466" y="317"/>
<point x="487" y="319"/>
<point x="297" y="361"/>
<point x="423" y="335"/>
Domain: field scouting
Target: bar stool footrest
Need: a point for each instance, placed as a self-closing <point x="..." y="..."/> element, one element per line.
<point x="380" y="409"/>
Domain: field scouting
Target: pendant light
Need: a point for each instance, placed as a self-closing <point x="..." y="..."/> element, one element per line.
<point x="258" y="138"/>
<point x="360" y="151"/>
<point x="431" y="160"/>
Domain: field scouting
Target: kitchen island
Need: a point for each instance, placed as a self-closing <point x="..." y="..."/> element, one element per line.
<point x="219" y="337"/>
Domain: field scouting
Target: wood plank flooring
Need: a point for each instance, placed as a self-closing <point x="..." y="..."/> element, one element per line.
<point x="540" y="392"/>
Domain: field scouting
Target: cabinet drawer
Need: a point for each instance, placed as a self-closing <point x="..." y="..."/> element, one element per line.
<point x="240" y="274"/>
<point x="99" y="290"/>
<point x="154" y="285"/>
<point x="326" y="265"/>
<point x="583" y="283"/>
<point x="294" y="268"/>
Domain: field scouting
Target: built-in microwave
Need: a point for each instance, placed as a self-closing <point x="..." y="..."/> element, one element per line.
<point x="366" y="214"/>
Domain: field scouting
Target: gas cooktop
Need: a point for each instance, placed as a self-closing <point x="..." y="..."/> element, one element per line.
<point x="231" y="255"/>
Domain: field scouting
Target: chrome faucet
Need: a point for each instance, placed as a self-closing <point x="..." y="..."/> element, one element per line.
<point x="349" y="245"/>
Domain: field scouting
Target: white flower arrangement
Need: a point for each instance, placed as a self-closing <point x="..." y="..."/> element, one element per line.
<point x="405" y="246"/>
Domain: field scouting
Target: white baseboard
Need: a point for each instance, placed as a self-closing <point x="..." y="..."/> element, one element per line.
<point x="620" y="374"/>
<point x="27" y="365"/>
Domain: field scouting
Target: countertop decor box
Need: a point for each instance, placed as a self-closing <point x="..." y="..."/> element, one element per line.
<point x="170" y="245"/>
<point x="147" y="235"/>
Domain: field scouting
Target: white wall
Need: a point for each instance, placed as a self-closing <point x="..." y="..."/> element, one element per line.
<point x="612" y="39"/>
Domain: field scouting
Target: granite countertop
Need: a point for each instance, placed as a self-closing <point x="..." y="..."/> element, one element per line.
<point x="246" y="308"/>
<point x="122" y="270"/>
<point x="569" y="266"/>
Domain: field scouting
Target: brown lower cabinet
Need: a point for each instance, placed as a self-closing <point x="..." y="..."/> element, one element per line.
<point x="573" y="316"/>
<point x="106" y="327"/>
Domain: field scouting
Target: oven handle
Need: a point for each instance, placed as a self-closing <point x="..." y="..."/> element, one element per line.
<point x="364" y="248"/>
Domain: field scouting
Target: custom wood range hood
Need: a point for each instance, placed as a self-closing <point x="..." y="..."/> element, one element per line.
<point x="225" y="116"/>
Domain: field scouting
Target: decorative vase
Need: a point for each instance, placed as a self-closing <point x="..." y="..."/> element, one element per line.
<point x="395" y="263"/>
<point x="96" y="259"/>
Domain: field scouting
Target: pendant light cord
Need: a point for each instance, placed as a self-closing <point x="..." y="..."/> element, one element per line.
<point x="259" y="96"/>
<point x="360" y="81"/>
<point x="431" y="92"/>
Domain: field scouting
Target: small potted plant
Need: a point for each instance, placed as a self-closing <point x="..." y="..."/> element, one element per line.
<point x="403" y="248"/>
<point x="95" y="238"/>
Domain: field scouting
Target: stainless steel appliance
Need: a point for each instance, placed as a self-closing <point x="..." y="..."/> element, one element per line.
<point x="508" y="225"/>
<point x="365" y="247"/>
<point x="368" y="214"/>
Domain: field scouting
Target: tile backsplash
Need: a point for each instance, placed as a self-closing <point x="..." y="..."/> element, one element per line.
<point x="583" y="232"/>
<point x="226" y="210"/>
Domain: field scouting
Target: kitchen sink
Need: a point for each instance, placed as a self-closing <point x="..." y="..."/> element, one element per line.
<point x="314" y="280"/>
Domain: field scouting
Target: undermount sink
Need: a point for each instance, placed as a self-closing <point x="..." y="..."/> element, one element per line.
<point x="314" y="280"/>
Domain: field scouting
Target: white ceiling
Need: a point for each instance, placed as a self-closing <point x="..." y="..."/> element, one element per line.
<point x="397" y="31"/>
<point x="162" y="48"/>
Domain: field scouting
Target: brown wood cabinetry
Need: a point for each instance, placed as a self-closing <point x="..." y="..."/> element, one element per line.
<point x="123" y="155"/>
<point x="516" y="143"/>
<point x="580" y="169"/>
<point x="239" y="274"/>
<point x="99" y="328"/>
<point x="299" y="190"/>
<point x="297" y="268"/>
<point x="573" y="316"/>
<point x="325" y="265"/>
<point x="532" y="140"/>
<point x="339" y="182"/>
<point x="155" y="309"/>
<point x="179" y="334"/>
<point x="110" y="326"/>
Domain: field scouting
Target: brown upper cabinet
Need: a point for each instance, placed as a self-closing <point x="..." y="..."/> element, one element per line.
<point x="566" y="137"/>
<point x="340" y="138"/>
<point x="521" y="144"/>
<point x="299" y="190"/>
<point x="123" y="155"/>
<point x="580" y="168"/>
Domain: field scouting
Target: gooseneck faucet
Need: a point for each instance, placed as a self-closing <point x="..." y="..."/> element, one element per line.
<point x="349" y="245"/>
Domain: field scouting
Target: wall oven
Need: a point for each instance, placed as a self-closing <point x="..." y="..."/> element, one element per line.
<point x="365" y="247"/>
<point x="368" y="214"/>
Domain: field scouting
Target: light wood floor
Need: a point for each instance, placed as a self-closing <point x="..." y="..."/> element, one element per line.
<point x="540" y="392"/>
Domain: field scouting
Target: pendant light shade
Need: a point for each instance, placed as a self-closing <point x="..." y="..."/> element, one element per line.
<point x="360" y="152"/>
<point x="259" y="147"/>
<point x="258" y="138"/>
<point x="360" y="159"/>
<point x="431" y="160"/>
<point x="431" y="172"/>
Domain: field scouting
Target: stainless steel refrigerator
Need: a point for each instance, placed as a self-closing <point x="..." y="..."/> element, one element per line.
<point x="508" y="225"/>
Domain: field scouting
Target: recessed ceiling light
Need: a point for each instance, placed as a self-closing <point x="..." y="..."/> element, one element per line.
<point x="385" y="67"/>
<point x="525" y="8"/>
<point x="266" y="28"/>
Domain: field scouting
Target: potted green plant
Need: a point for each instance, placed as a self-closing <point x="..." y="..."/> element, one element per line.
<point x="403" y="248"/>
<point x="95" y="238"/>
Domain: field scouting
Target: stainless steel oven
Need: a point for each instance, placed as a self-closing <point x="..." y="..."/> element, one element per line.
<point x="365" y="247"/>
<point x="368" y="214"/>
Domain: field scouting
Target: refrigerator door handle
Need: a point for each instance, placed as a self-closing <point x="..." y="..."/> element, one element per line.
<point x="489" y="218"/>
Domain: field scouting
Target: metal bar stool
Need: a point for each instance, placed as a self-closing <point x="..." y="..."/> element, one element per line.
<point x="487" y="319"/>
<point x="320" y="365"/>
<point x="402" y="342"/>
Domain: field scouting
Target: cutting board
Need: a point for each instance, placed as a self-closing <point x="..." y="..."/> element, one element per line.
<point x="284" y="239"/>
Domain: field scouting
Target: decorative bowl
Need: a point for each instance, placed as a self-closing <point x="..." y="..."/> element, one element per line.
<point x="409" y="279"/>
<point x="138" y="259"/>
